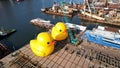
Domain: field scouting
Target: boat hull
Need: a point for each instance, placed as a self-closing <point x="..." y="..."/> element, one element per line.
<point x="87" y="18"/>
<point x="58" y="14"/>
<point x="100" y="40"/>
<point x="7" y="33"/>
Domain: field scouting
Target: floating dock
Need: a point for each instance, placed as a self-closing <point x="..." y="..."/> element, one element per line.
<point x="88" y="55"/>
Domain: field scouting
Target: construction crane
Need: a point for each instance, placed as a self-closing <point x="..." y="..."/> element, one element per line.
<point x="73" y="40"/>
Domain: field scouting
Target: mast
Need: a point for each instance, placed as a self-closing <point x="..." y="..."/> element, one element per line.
<point x="106" y="3"/>
<point x="89" y="7"/>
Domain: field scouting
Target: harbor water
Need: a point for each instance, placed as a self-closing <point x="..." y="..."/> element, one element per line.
<point x="17" y="15"/>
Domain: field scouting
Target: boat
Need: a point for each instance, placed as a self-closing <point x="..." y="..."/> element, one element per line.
<point x="100" y="12"/>
<point x="108" y="28"/>
<point x="103" y="37"/>
<point x="75" y="26"/>
<point x="40" y="20"/>
<point x="50" y="11"/>
<point x="63" y="9"/>
<point x="57" y="14"/>
<point x="41" y="23"/>
<point x="19" y="0"/>
<point x="44" y="23"/>
<point x="3" y="34"/>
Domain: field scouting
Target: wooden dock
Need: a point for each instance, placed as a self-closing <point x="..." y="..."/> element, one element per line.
<point x="84" y="57"/>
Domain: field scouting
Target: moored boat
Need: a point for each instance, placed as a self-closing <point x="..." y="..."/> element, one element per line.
<point x="108" y="28"/>
<point x="19" y="0"/>
<point x="41" y="23"/>
<point x="3" y="34"/>
<point x="58" y="14"/>
<point x="75" y="26"/>
<point x="44" y="23"/>
<point x="100" y="12"/>
<point x="62" y="9"/>
<point x="103" y="37"/>
<point x="40" y="20"/>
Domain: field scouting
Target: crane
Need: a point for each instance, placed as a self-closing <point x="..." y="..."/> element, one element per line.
<point x="73" y="40"/>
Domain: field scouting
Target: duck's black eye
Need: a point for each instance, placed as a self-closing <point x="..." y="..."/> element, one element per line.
<point x="60" y="30"/>
<point x="48" y="42"/>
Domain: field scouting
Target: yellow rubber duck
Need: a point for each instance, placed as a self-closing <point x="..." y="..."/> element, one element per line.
<point x="59" y="31"/>
<point x="43" y="45"/>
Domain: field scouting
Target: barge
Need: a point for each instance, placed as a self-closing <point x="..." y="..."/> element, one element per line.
<point x="100" y="12"/>
<point x="41" y="23"/>
<point x="89" y="18"/>
<point x="47" y="25"/>
<point x="84" y="55"/>
<point x="56" y="13"/>
<point x="88" y="55"/>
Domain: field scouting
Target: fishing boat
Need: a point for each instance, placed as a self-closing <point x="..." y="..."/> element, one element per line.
<point x="57" y="14"/>
<point x="103" y="37"/>
<point x="3" y="34"/>
<point x="61" y="9"/>
<point x="101" y="12"/>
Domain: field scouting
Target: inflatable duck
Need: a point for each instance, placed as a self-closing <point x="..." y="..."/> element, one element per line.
<point x="59" y="31"/>
<point x="43" y="45"/>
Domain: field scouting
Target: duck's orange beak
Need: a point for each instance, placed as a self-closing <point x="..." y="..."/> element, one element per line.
<point x="65" y="31"/>
<point x="53" y="42"/>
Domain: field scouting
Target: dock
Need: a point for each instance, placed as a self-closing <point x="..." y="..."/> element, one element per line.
<point x="89" y="55"/>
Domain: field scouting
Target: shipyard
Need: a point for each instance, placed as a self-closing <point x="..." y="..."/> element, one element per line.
<point x="60" y="34"/>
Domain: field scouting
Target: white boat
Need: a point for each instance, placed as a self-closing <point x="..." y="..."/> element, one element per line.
<point x="79" y="27"/>
<point x="41" y="23"/>
<point x="109" y="29"/>
<point x="39" y="20"/>
<point x="103" y="37"/>
<point x="42" y="9"/>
